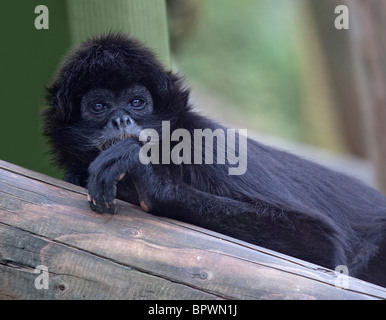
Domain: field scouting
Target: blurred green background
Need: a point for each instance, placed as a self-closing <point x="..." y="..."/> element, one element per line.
<point x="243" y="53"/>
<point x="246" y="55"/>
<point x="28" y="60"/>
<point x="272" y="66"/>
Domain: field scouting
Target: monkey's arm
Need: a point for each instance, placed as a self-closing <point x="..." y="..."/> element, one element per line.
<point x="285" y="231"/>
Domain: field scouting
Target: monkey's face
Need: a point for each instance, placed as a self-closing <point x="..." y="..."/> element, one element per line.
<point x="106" y="90"/>
<point x="112" y="116"/>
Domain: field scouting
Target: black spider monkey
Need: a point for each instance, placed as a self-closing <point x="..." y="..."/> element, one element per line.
<point x="111" y="87"/>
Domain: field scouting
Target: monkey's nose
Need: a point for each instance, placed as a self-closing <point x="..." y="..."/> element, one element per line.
<point x="120" y="122"/>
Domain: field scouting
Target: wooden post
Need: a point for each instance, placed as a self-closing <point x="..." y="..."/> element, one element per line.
<point x="134" y="255"/>
<point x="147" y="20"/>
<point x="336" y="49"/>
<point x="367" y="26"/>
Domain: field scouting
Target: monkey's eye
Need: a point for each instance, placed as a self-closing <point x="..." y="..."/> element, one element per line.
<point x="137" y="103"/>
<point x="98" y="108"/>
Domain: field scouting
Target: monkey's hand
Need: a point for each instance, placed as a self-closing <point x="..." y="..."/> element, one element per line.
<point x="106" y="170"/>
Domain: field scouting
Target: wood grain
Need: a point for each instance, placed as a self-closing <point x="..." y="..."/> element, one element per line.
<point x="135" y="255"/>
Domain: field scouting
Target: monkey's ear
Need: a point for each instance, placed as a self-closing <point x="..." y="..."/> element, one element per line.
<point x="59" y="108"/>
<point x="56" y="112"/>
<point x="64" y="92"/>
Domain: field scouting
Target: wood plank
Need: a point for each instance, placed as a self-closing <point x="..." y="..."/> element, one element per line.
<point x="134" y="255"/>
<point x="76" y="274"/>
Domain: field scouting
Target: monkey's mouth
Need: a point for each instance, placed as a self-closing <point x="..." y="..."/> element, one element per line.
<point x="105" y="143"/>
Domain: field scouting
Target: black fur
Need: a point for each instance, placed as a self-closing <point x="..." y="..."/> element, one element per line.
<point x="282" y="202"/>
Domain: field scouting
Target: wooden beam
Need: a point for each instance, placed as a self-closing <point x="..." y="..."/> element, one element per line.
<point x="134" y="255"/>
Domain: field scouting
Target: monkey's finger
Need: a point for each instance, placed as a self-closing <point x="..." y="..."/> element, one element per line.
<point x="111" y="207"/>
<point x="94" y="206"/>
<point x="144" y="200"/>
<point x="145" y="205"/>
<point x="109" y="192"/>
<point x="97" y="206"/>
<point x="101" y="207"/>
